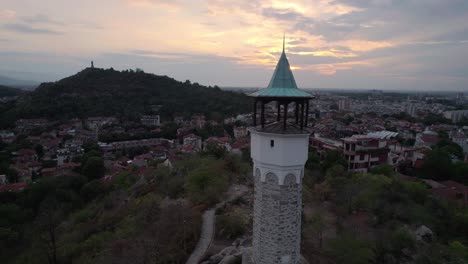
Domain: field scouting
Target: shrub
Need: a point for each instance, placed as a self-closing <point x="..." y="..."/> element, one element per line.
<point x="231" y="225"/>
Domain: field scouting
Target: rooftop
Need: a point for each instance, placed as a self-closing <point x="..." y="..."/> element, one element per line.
<point x="383" y="134"/>
<point x="282" y="83"/>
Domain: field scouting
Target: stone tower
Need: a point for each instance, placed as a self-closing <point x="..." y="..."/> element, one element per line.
<point x="279" y="149"/>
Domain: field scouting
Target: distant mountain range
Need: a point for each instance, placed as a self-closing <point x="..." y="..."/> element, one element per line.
<point x="22" y="84"/>
<point x="126" y="94"/>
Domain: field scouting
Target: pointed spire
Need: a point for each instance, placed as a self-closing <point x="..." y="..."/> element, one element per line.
<point x="284" y="38"/>
<point x="282" y="83"/>
<point x="283" y="76"/>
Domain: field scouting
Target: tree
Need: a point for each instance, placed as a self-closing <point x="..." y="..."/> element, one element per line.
<point x="333" y="157"/>
<point x="461" y="172"/>
<point x="11" y="219"/>
<point x="89" y="154"/>
<point x="313" y="161"/>
<point x="90" y="146"/>
<point x="215" y="150"/>
<point x="431" y="119"/>
<point x="207" y="183"/>
<point x="316" y="224"/>
<point x="348" y="249"/>
<point x="11" y="174"/>
<point x="93" y="189"/>
<point x="384" y="169"/>
<point x="390" y="247"/>
<point x="169" y="130"/>
<point x="437" y="165"/>
<point x="94" y="168"/>
<point x="39" y="150"/>
<point x="336" y="171"/>
<point x="50" y="216"/>
<point x="459" y="250"/>
<point x="230" y="225"/>
<point x="169" y="183"/>
<point x="450" y="147"/>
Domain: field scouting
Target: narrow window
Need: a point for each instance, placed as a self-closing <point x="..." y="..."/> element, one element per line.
<point x="272" y="143"/>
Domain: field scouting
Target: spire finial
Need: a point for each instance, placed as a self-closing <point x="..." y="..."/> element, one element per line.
<point x="284" y="38"/>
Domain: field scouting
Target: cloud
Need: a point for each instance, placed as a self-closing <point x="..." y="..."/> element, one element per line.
<point x="354" y="40"/>
<point x="7" y="14"/>
<point x="327" y="53"/>
<point x="169" y="5"/>
<point x="440" y="42"/>
<point x="332" y="68"/>
<point x="27" y="29"/>
<point x="182" y="58"/>
<point x="283" y="14"/>
<point x="41" y="19"/>
<point x="363" y="45"/>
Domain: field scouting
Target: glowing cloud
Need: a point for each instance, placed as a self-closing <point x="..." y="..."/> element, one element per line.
<point x="363" y="45"/>
<point x="322" y="36"/>
<point x="7" y="14"/>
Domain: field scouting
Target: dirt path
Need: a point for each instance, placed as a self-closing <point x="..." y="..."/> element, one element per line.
<point x="208" y="225"/>
<point x="206" y="236"/>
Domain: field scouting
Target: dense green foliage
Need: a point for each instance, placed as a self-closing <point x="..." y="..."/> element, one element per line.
<point x="9" y="91"/>
<point x="439" y="164"/>
<point x="131" y="219"/>
<point x="374" y="217"/>
<point x="127" y="94"/>
<point x="231" y="225"/>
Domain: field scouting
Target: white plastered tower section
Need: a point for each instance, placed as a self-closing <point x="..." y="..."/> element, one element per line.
<point x="278" y="163"/>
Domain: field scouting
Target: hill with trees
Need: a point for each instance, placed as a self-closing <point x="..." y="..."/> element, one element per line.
<point x="10" y="91"/>
<point x="126" y="94"/>
<point x="135" y="216"/>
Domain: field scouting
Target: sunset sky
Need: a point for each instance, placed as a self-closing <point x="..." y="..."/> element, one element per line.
<point x="381" y="44"/>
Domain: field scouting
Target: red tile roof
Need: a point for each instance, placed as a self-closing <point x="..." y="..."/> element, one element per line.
<point x="26" y="152"/>
<point x="431" y="139"/>
<point x="224" y="139"/>
<point x="13" y="187"/>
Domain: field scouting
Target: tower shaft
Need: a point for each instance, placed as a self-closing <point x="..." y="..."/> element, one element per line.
<point x="278" y="170"/>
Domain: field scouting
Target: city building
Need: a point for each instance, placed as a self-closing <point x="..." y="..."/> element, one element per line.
<point x="240" y="132"/>
<point x="7" y="136"/>
<point x="150" y="120"/>
<point x="344" y="105"/>
<point x="462" y="141"/>
<point x="3" y="179"/>
<point x="362" y="152"/>
<point x="411" y="109"/>
<point x="222" y="142"/>
<point x="26" y="125"/>
<point x="94" y="123"/>
<point x="427" y="139"/>
<point x="456" y="116"/>
<point x="179" y="119"/>
<point x="120" y="145"/>
<point x="321" y="145"/>
<point x="279" y="150"/>
<point x="193" y="141"/>
<point x="198" y="121"/>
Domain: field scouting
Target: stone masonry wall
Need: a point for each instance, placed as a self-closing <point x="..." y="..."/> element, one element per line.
<point x="277" y="219"/>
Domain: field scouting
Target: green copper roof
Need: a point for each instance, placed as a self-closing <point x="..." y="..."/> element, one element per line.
<point x="282" y="84"/>
<point x="283" y="76"/>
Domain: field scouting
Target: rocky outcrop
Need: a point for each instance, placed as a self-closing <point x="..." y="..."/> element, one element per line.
<point x="229" y="255"/>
